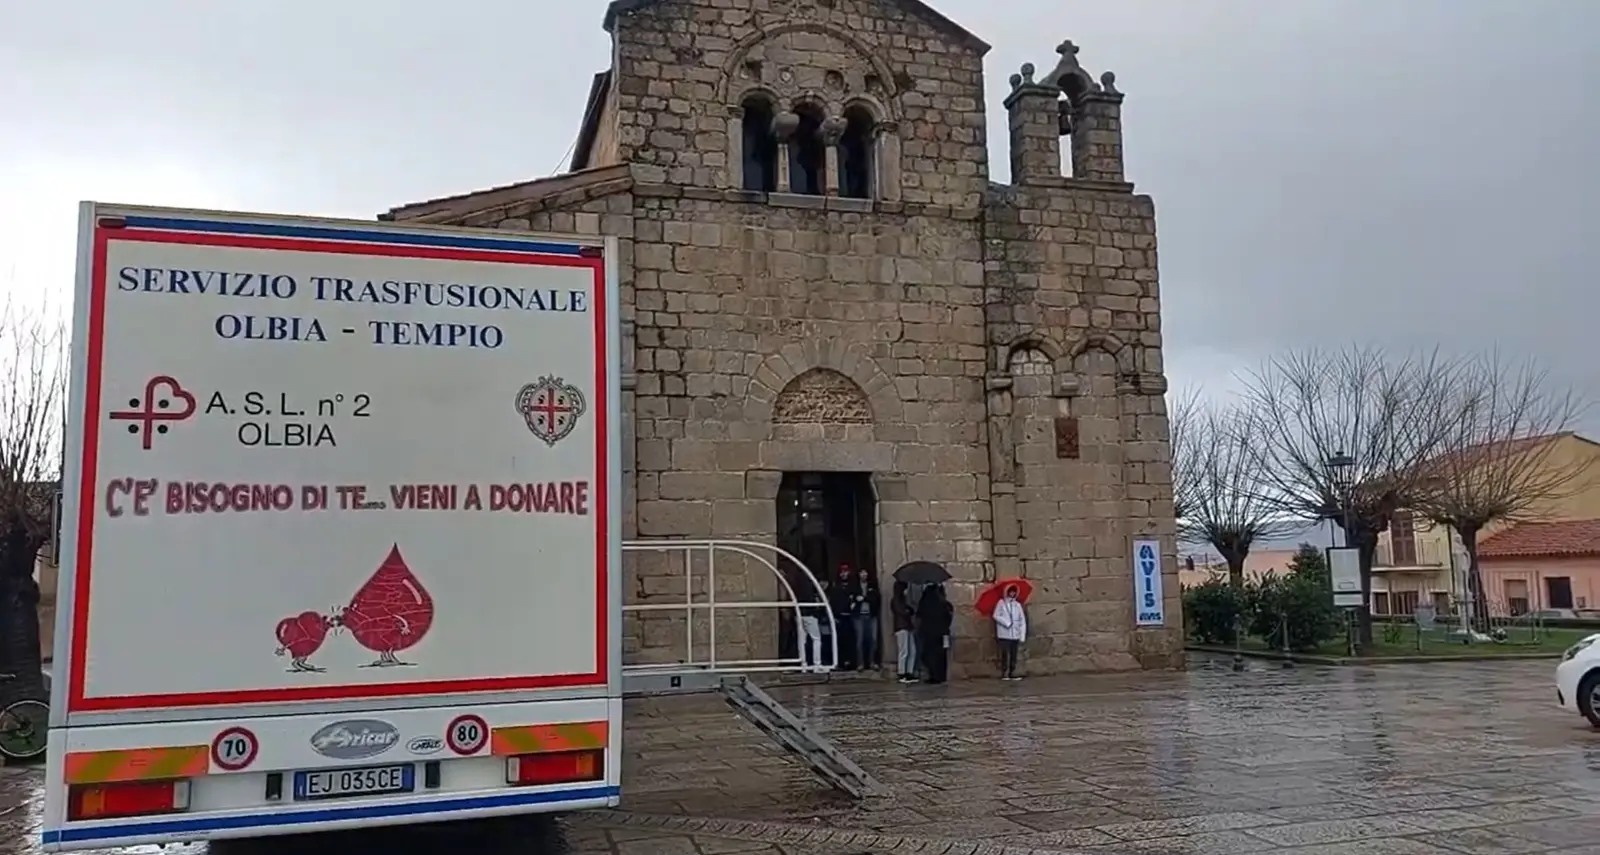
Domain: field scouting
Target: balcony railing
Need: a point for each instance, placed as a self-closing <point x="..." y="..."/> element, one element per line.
<point x="1413" y="552"/>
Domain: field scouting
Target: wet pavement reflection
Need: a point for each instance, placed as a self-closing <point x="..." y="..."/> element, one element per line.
<point x="1394" y="760"/>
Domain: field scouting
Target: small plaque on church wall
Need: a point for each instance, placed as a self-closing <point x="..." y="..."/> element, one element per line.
<point x="1067" y="437"/>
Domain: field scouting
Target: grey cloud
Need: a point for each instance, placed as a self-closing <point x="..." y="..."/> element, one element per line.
<point x="1406" y="173"/>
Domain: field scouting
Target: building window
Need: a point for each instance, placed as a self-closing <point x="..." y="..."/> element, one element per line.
<point x="856" y="154"/>
<point x="1558" y="592"/>
<point x="1380" y="603"/>
<point x="1516" y="596"/>
<point x="808" y="154"/>
<point x="1403" y="602"/>
<point x="760" y="162"/>
<point x="1441" y="603"/>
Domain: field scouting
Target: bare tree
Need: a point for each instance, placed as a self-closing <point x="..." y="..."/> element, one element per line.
<point x="1497" y="462"/>
<point x="1223" y="496"/>
<point x="1388" y="414"/>
<point x="33" y="375"/>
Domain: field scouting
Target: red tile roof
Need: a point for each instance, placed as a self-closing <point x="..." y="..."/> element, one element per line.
<point x="1544" y="540"/>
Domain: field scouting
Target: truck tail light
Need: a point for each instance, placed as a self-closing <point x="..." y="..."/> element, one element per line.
<point x="557" y="767"/>
<point x="126" y="798"/>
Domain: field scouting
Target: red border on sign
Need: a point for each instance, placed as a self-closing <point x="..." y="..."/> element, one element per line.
<point x="255" y="748"/>
<point x="450" y="733"/>
<point x="92" y="416"/>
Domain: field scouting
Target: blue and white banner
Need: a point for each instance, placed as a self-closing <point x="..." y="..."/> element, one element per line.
<point x="1149" y="605"/>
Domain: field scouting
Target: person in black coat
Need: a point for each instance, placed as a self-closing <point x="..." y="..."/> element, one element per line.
<point x="934" y="618"/>
<point x="866" y="608"/>
<point x="841" y="599"/>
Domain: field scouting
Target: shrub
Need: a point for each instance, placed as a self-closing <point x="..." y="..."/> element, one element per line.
<point x="1300" y="602"/>
<point x="1209" y="610"/>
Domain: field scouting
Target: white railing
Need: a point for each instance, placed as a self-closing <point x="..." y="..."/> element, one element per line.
<point x="693" y="608"/>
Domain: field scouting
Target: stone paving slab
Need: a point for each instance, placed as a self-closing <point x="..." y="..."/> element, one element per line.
<point x="1441" y="759"/>
<point x="1436" y="758"/>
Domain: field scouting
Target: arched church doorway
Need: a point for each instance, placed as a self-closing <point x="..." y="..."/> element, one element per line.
<point x="828" y="520"/>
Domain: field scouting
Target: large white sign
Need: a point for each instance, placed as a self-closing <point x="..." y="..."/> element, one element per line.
<point x="1344" y="570"/>
<point x="320" y="461"/>
<point x="1149" y="605"/>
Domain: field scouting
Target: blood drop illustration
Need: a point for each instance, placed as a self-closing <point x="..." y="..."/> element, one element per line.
<point x="299" y="637"/>
<point x="389" y="613"/>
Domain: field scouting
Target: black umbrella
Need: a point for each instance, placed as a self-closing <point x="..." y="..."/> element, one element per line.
<point x="921" y="573"/>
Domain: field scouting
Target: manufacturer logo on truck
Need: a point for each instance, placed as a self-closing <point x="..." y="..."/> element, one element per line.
<point x="353" y="740"/>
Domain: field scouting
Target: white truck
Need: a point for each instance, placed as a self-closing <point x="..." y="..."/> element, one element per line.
<point x="340" y="541"/>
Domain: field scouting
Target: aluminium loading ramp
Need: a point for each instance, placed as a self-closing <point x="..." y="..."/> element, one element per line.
<point x="754" y="705"/>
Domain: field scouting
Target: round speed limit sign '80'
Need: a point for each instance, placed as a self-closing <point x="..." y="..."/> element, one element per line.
<point x="234" y="749"/>
<point x="467" y="735"/>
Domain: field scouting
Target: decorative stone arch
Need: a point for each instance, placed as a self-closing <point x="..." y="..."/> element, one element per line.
<point x="741" y="50"/>
<point x="885" y="143"/>
<point x="821" y="396"/>
<point x="755" y="90"/>
<point x="794" y="360"/>
<point x="1124" y="355"/>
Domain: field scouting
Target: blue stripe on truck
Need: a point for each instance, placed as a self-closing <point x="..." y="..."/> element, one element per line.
<point x="176" y="224"/>
<point x="441" y="807"/>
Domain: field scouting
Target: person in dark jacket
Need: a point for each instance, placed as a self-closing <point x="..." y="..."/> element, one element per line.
<point x="905" y="640"/>
<point x="866" y="607"/>
<point x="934" y="618"/>
<point x="841" y="590"/>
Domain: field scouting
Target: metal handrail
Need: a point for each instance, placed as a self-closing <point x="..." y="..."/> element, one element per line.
<point x="689" y="548"/>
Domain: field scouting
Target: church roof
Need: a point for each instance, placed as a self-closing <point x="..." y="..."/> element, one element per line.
<point x="916" y="7"/>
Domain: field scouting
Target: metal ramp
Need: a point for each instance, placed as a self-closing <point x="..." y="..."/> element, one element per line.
<point x="706" y="667"/>
<point x="816" y="751"/>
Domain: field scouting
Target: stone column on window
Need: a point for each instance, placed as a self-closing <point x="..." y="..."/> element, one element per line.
<point x="832" y="131"/>
<point x="886" y="180"/>
<point x="735" y="171"/>
<point x="783" y="127"/>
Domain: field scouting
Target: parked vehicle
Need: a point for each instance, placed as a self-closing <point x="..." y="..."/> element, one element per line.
<point x="1578" y="679"/>
<point x="286" y="437"/>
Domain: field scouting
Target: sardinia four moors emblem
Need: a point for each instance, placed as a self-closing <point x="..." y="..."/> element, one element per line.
<point x="551" y="408"/>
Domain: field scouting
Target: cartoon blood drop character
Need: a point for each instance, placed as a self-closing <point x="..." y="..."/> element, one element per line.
<point x="300" y="636"/>
<point x="391" y="612"/>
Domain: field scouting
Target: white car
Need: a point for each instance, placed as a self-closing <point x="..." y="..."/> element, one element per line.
<point x="1578" y="679"/>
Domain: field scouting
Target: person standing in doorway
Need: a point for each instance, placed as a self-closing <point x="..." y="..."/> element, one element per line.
<point x="1011" y="629"/>
<point x="812" y="615"/>
<point x="934" y="617"/>
<point x="867" y="605"/>
<point x="841" y="598"/>
<point x="905" y="641"/>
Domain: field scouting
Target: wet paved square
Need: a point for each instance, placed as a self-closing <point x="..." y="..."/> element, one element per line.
<point x="1392" y="760"/>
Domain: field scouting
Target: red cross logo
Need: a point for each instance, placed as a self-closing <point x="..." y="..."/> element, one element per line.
<point x="550" y="408"/>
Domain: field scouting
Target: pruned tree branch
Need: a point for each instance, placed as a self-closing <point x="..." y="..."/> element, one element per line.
<point x="1224" y="494"/>
<point x="1389" y="414"/>
<point x="1500" y="459"/>
<point x="32" y="405"/>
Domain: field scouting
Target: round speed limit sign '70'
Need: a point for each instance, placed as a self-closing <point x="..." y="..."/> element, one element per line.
<point x="467" y="735"/>
<point x="234" y="749"/>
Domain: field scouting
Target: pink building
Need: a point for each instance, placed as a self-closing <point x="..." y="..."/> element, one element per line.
<point x="1542" y="565"/>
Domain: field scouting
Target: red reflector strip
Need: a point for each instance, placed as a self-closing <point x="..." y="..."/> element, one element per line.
<point x="135" y="798"/>
<point x="535" y="738"/>
<point x="138" y="764"/>
<point x="556" y="767"/>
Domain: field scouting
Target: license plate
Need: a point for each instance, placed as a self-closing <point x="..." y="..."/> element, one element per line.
<point x="341" y="783"/>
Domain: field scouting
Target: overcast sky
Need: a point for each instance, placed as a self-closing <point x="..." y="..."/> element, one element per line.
<point x="1407" y="173"/>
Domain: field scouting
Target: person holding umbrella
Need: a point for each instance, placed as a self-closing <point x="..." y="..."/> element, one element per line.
<point x="1003" y="601"/>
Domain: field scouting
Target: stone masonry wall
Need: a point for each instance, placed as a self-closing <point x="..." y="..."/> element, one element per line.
<point x="941" y="336"/>
<point x="685" y="67"/>
<point x="1074" y="321"/>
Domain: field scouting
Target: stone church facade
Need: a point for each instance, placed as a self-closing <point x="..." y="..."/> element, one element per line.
<point x="828" y="303"/>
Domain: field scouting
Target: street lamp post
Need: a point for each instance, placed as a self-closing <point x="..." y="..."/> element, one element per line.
<point x="1342" y="472"/>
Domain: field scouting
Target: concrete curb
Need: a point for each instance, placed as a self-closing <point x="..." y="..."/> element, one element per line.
<point x="1315" y="659"/>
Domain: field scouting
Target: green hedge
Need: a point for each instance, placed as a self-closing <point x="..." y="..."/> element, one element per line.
<point x="1299" y="602"/>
